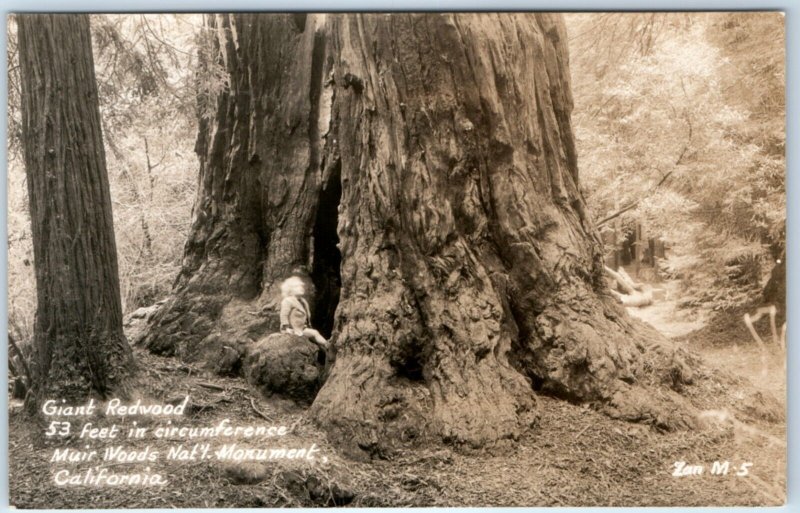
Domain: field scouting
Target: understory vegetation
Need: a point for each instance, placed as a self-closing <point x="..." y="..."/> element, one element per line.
<point x="680" y="126"/>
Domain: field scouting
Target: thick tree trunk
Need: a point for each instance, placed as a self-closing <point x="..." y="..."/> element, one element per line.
<point x="470" y="275"/>
<point x="259" y="186"/>
<point x="79" y="343"/>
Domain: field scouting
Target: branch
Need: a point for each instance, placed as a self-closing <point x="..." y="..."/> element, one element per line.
<point x="259" y="412"/>
<point x="618" y="213"/>
<point x="678" y="161"/>
<point x="161" y="40"/>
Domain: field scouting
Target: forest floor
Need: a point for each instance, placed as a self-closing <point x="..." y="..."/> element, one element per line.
<point x="574" y="457"/>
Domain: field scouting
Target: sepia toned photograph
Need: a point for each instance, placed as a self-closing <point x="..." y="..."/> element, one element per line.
<point x="402" y="259"/>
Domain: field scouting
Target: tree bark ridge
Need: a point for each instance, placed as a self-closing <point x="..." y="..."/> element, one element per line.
<point x="80" y="348"/>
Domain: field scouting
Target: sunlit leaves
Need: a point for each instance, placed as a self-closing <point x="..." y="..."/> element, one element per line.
<point x="698" y="110"/>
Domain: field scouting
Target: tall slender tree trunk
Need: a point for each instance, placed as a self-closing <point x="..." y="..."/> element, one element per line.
<point x="463" y="275"/>
<point x="80" y="348"/>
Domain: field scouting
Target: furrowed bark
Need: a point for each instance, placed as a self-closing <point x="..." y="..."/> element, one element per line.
<point x="257" y="190"/>
<point x="80" y="348"/>
<point x="471" y="276"/>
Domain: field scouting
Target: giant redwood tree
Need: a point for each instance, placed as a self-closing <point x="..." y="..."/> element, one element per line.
<point x="79" y="345"/>
<point x="422" y="168"/>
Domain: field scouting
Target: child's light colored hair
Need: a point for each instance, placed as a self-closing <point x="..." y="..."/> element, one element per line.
<point x="289" y="284"/>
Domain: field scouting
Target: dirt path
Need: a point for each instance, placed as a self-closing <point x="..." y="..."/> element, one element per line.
<point x="729" y="346"/>
<point x="665" y="316"/>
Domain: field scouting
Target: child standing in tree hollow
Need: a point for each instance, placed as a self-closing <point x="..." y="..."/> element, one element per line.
<point x="295" y="314"/>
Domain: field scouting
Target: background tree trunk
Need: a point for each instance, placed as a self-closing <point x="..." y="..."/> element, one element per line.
<point x="471" y="276"/>
<point x="79" y="344"/>
<point x="775" y="289"/>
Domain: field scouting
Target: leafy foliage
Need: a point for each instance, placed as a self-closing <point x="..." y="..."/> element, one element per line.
<point x="684" y="125"/>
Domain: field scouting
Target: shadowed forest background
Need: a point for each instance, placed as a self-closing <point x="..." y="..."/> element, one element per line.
<point x="501" y="340"/>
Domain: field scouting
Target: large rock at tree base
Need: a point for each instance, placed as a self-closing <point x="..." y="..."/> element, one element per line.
<point x="214" y="333"/>
<point x="285" y="365"/>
